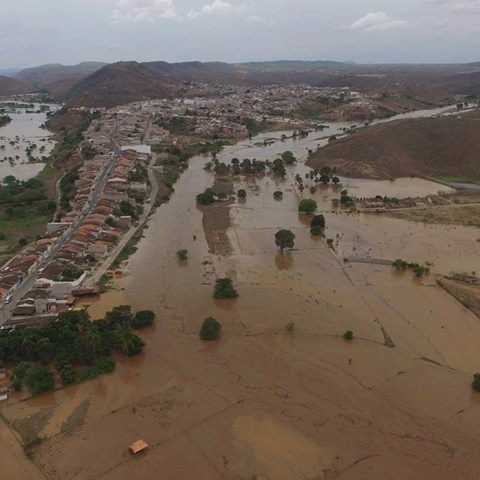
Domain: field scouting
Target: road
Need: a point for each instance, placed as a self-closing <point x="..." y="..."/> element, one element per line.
<point x="27" y="285"/>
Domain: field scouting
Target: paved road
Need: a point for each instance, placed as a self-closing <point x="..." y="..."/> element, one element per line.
<point x="5" y="310"/>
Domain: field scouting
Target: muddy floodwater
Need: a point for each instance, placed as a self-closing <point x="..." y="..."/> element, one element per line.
<point x="263" y="402"/>
<point x="24" y="131"/>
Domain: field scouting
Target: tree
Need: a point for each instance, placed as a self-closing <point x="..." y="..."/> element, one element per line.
<point x="127" y="341"/>
<point x="143" y="318"/>
<point x="317" y="225"/>
<point x="242" y="193"/>
<point x="224" y="289"/>
<point x="22" y="242"/>
<point x="182" y="254"/>
<point x="307" y="206"/>
<point x="284" y="239"/>
<point x="206" y="198"/>
<point x="476" y="382"/>
<point x="38" y="379"/>
<point x="288" y="157"/>
<point x="277" y="195"/>
<point x="348" y="335"/>
<point x="210" y="329"/>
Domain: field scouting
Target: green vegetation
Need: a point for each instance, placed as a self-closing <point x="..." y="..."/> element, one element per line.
<point x="126" y="251"/>
<point x="278" y="195"/>
<point x="206" y="198"/>
<point x="284" y="239"/>
<point x="307" y="206"/>
<point x="242" y="193"/>
<point x="317" y="225"/>
<point x="38" y="378"/>
<point x="5" y="120"/>
<point x="402" y="265"/>
<point x="70" y="273"/>
<point x="348" y="335"/>
<point x="16" y="191"/>
<point x="476" y="382"/>
<point x="105" y="283"/>
<point x="67" y="188"/>
<point x="290" y="328"/>
<point x="78" y="348"/>
<point x="182" y="255"/>
<point x="224" y="289"/>
<point x="345" y="199"/>
<point x="288" y="157"/>
<point x="210" y="329"/>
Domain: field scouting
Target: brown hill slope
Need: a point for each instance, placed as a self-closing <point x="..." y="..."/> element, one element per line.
<point x="429" y="146"/>
<point x="11" y="86"/>
<point x="58" y="78"/>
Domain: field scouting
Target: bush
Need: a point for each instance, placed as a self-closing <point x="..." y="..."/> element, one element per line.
<point x="210" y="329"/>
<point x="400" y="265"/>
<point x="104" y="365"/>
<point x="182" y="254"/>
<point x="206" y="198"/>
<point x="38" y="379"/>
<point x="290" y="327"/>
<point x="142" y="319"/>
<point x="476" y="382"/>
<point x="284" y="239"/>
<point x="224" y="289"/>
<point x="317" y="225"/>
<point x="242" y="193"/>
<point x="278" y="195"/>
<point x="348" y="335"/>
<point x="307" y="206"/>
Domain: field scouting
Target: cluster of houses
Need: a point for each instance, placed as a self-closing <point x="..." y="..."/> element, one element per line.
<point x="83" y="236"/>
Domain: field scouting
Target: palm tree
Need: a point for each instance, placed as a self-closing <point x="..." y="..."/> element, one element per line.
<point x="28" y="343"/>
<point x="94" y="338"/>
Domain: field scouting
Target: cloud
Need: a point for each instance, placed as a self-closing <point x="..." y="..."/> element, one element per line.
<point x="376" y="21"/>
<point x="462" y="7"/>
<point x="137" y="10"/>
<point x="215" y="7"/>
<point x="260" y="20"/>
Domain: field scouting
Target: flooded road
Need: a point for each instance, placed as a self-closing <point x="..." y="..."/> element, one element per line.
<point x="263" y="402"/>
<point x="22" y="133"/>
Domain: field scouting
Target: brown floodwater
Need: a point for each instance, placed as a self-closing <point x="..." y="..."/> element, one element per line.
<point x="263" y="402"/>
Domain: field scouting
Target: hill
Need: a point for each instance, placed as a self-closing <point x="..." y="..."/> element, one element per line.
<point x="130" y="81"/>
<point x="448" y="146"/>
<point x="57" y="78"/>
<point x="12" y="86"/>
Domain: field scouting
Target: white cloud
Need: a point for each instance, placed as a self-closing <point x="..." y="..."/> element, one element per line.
<point x="215" y="7"/>
<point x="376" y="21"/>
<point x="260" y="20"/>
<point x="135" y="10"/>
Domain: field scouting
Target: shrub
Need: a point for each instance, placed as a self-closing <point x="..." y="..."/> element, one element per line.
<point x="400" y="265"/>
<point x="210" y="329"/>
<point x="317" y="225"/>
<point x="307" y="206"/>
<point x="224" y="289"/>
<point x="278" y="195"/>
<point x="348" y="335"/>
<point x="476" y="382"/>
<point x="206" y="198"/>
<point x="285" y="239"/>
<point x="242" y="193"/>
<point x="142" y="319"/>
<point x="290" y="327"/>
<point x="38" y="379"/>
<point x="182" y="254"/>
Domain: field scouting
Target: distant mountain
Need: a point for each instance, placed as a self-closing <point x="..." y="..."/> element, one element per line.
<point x="58" y="78"/>
<point x="124" y="82"/>
<point x="12" y="86"/>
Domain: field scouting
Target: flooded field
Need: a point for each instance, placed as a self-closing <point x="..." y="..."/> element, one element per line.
<point x="24" y="133"/>
<point x="263" y="402"/>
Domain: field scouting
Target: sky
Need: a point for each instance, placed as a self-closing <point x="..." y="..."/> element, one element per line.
<point x="34" y="32"/>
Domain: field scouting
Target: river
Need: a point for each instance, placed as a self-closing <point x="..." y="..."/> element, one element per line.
<point x="21" y="133"/>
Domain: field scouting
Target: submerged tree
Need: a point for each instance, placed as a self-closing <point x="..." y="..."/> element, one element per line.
<point x="284" y="239"/>
<point x="210" y="329"/>
<point x="224" y="289"/>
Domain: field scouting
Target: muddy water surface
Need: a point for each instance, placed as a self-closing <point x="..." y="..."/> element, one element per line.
<point x="262" y="402"/>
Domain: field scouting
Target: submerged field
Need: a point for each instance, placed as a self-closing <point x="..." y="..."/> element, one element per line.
<point x="263" y="402"/>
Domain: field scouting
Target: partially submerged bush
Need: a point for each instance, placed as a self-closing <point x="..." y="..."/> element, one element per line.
<point x="210" y="329"/>
<point x="348" y="335"/>
<point x="224" y="289"/>
<point x="182" y="254"/>
<point x="308" y="206"/>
